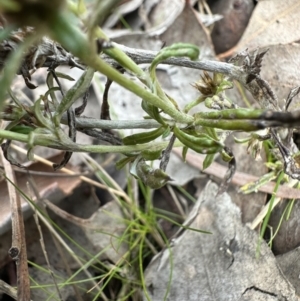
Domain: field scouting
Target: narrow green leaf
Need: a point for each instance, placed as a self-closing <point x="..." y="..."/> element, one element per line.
<point x="122" y="162"/>
<point x="208" y="160"/>
<point x="202" y="144"/>
<point x="65" y="76"/>
<point x="45" y="122"/>
<point x="212" y="133"/>
<point x="184" y="153"/>
<point x="267" y="217"/>
<point x="79" y="88"/>
<point x="144" y="137"/>
<point x="149" y="154"/>
<point x="51" y="90"/>
<point x="22" y="129"/>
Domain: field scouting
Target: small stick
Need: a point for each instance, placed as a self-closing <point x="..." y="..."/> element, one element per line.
<point x="18" y="249"/>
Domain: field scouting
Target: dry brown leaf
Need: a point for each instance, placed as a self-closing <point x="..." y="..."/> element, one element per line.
<point x="227" y="32"/>
<point x="186" y="28"/>
<point x="52" y="188"/>
<point x="280" y="68"/>
<point x="272" y="23"/>
<point x="122" y="10"/>
<point x="164" y="14"/>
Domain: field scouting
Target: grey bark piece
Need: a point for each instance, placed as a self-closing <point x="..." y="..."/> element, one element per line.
<point x="218" y="266"/>
<point x="290" y="265"/>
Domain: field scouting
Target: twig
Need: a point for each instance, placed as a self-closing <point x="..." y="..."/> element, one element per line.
<point x="8" y="290"/>
<point x="141" y="56"/>
<point x="105" y="113"/>
<point x="86" y="122"/>
<point x="48" y="173"/>
<point x="94" y="123"/>
<point x="18" y="249"/>
<point x="166" y="154"/>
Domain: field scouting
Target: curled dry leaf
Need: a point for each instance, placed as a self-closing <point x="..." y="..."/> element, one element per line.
<point x="51" y="187"/>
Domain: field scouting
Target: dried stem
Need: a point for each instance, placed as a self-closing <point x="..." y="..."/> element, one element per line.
<point x="18" y="249"/>
<point x="141" y="56"/>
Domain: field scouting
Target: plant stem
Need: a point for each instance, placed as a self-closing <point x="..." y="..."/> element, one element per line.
<point x="101" y="66"/>
<point x="13" y="136"/>
<point x="141" y="56"/>
<point x="74" y="40"/>
<point x="119" y="56"/>
<point x="51" y="141"/>
<point x="82" y="122"/>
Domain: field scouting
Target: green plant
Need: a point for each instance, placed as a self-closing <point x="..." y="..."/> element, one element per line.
<point x="40" y="123"/>
<point x="203" y="132"/>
